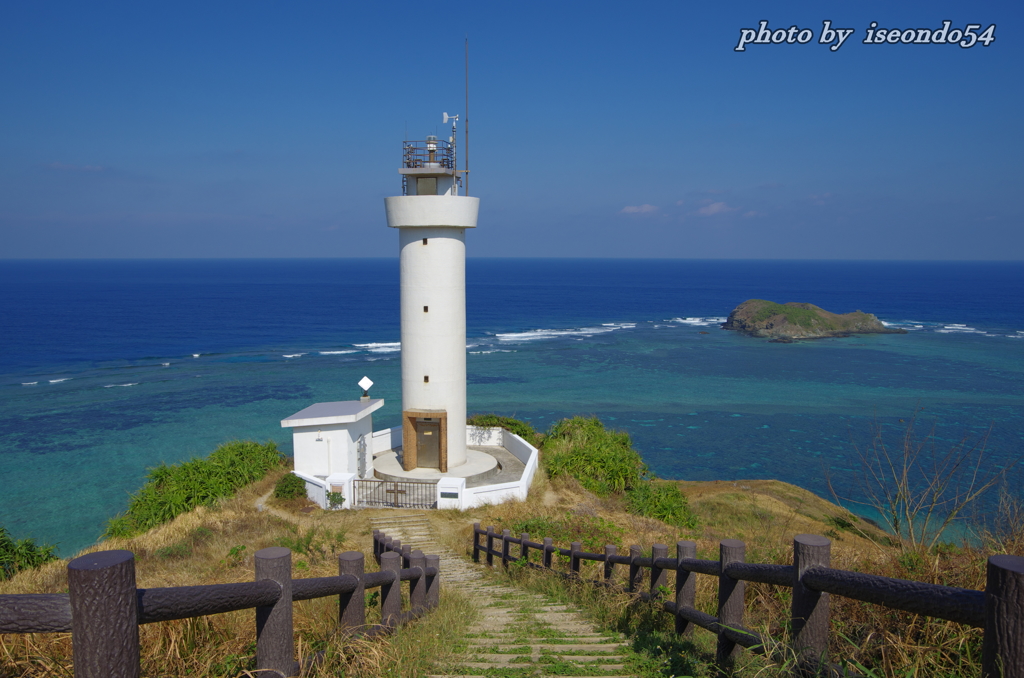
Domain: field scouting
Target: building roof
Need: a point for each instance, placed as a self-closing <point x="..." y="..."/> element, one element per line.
<point x="341" y="412"/>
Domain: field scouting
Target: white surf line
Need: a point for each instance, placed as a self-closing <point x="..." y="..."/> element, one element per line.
<point x="381" y="347"/>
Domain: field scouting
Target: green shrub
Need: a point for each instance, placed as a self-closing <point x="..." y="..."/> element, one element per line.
<point x="317" y="543"/>
<point x="663" y="501"/>
<point x="290" y="486"/>
<point x="175" y="489"/>
<point x="521" y="428"/>
<point x="603" y="461"/>
<point x="22" y="554"/>
<point x="593" y="532"/>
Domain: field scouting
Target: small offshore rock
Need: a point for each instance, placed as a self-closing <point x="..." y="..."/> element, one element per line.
<point x="785" y="323"/>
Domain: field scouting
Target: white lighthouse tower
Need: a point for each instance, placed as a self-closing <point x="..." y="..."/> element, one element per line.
<point x="432" y="218"/>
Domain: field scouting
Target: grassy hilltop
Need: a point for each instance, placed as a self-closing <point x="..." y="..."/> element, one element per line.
<point x="593" y="488"/>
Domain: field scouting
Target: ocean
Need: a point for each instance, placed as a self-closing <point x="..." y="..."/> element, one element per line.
<point x="110" y="367"/>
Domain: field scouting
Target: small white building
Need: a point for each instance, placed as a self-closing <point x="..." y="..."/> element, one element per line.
<point x="332" y="443"/>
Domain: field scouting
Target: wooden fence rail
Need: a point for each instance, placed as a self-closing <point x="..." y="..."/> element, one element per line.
<point x="103" y="608"/>
<point x="999" y="609"/>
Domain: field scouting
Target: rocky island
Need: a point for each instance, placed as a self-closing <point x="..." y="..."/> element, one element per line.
<point x="788" y="322"/>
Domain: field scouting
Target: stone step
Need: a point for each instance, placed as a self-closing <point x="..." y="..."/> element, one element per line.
<point x="608" y="648"/>
<point x="489" y="665"/>
<point x="511" y="658"/>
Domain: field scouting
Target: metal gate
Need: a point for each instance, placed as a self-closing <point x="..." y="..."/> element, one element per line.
<point x="396" y="494"/>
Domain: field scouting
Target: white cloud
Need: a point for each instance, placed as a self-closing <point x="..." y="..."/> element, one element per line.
<point x="638" y="209"/>
<point x="715" y="208"/>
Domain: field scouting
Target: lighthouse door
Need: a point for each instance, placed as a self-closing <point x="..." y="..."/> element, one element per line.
<point x="428" y="443"/>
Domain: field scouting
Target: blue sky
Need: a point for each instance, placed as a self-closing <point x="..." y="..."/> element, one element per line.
<point x="263" y="129"/>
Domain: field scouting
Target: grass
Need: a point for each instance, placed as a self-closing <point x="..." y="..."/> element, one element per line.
<point x="290" y="486"/>
<point x="216" y="544"/>
<point x="794" y="315"/>
<point x="766" y="515"/>
<point x="604" y="462"/>
<point x="22" y="554"/>
<point x="174" y="489"/>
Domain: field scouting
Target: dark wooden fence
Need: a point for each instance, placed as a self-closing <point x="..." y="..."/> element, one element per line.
<point x="103" y="608"/>
<point x="999" y="609"/>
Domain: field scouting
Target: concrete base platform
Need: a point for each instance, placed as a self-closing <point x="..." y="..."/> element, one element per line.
<point x="479" y="466"/>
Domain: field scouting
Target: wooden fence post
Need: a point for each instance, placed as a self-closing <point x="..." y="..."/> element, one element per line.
<point x="476" y="542"/>
<point x="104" y="615"/>
<point x="1002" y="654"/>
<point x="524" y="550"/>
<point x="730" y="600"/>
<point x="686" y="586"/>
<point x="659" y="578"/>
<point x="505" y="545"/>
<point x="574" y="557"/>
<point x="636" y="573"/>
<point x="391" y="594"/>
<point x="609" y="567"/>
<point x="275" y="637"/>
<point x="434" y="581"/>
<point x="810" y="609"/>
<point x="418" y="586"/>
<point x="490" y="545"/>
<point x="548" y="548"/>
<point x="352" y="606"/>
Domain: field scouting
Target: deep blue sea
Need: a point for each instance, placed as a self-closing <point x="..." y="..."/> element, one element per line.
<point x="110" y="367"/>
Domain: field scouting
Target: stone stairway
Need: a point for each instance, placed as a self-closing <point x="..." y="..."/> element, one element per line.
<point x="518" y="633"/>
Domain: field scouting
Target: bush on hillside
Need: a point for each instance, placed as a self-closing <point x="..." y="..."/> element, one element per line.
<point x="521" y="428"/>
<point x="662" y="501"/>
<point x="21" y="554"/>
<point x="603" y="461"/>
<point x="290" y="486"/>
<point x="174" y="489"/>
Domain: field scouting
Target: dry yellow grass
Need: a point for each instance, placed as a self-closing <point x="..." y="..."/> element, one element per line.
<point x="203" y="547"/>
<point x="196" y="548"/>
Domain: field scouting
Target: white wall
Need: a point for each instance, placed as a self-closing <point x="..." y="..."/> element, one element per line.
<point x="335" y="452"/>
<point x="434" y="342"/>
<point x="499" y="493"/>
<point x="317" y="489"/>
<point x="431" y="210"/>
<point x="487" y="494"/>
<point x="387" y="439"/>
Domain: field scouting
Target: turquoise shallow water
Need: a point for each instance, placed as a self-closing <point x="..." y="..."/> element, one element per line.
<point x="636" y="343"/>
